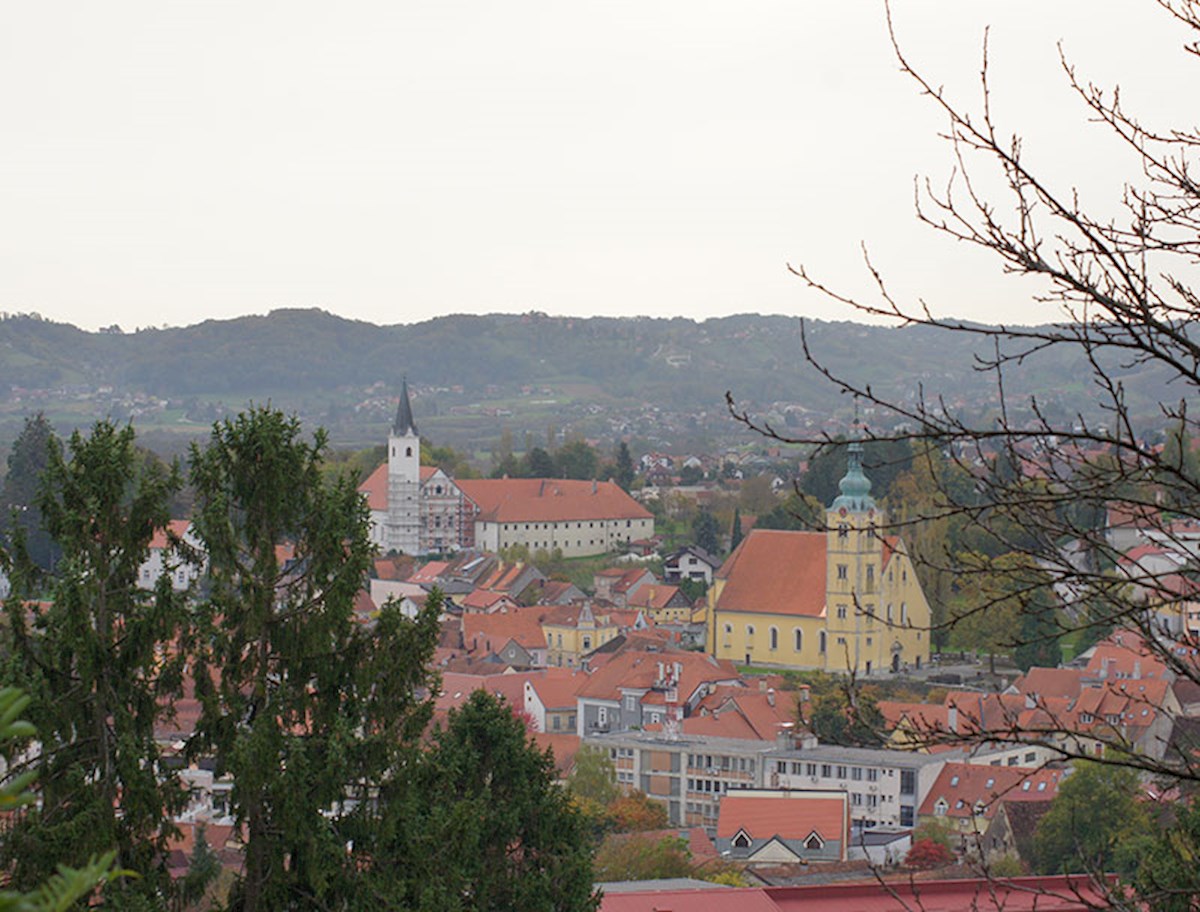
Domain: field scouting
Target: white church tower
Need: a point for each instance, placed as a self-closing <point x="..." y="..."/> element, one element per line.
<point x="402" y="532"/>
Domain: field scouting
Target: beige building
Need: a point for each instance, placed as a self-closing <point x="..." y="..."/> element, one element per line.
<point x="579" y="518"/>
<point x="846" y="599"/>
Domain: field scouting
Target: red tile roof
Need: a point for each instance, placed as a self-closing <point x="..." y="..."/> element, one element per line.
<point x="764" y="816"/>
<point x="178" y="527"/>
<point x="557" y="687"/>
<point x="777" y="573"/>
<point x="964" y="785"/>
<point x="639" y="670"/>
<point x="550" y="500"/>
<point x="490" y="632"/>
<point x="376" y="488"/>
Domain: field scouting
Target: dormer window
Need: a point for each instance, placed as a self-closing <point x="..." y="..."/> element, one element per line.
<point x="742" y="840"/>
<point x="814" y="842"/>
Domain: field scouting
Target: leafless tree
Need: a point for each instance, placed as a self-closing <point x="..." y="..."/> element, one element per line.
<point x="1122" y="300"/>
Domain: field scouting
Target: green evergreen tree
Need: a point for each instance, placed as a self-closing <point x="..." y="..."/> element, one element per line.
<point x="480" y="825"/>
<point x="735" y="530"/>
<point x="706" y="532"/>
<point x="98" y="662"/>
<point x="19" y="510"/>
<point x="537" y="463"/>
<point x="304" y="707"/>
<point x="625" y="473"/>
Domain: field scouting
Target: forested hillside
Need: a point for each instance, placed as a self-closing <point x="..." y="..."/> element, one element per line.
<point x="321" y="364"/>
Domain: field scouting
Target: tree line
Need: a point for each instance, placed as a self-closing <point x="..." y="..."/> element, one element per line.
<point x="343" y="795"/>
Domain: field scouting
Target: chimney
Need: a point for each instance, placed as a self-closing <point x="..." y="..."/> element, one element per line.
<point x="762" y="684"/>
<point x="952" y="717"/>
<point x="770" y="696"/>
<point x="659" y="680"/>
<point x="542" y="488"/>
<point x="1137" y="669"/>
<point x="594" y="486"/>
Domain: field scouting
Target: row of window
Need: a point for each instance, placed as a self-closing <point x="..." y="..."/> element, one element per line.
<point x="773" y="637"/>
<point x="832" y="771"/>
<point x="515" y="527"/>
<point x="731" y="764"/>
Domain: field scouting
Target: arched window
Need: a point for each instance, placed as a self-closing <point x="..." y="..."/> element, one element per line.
<point x="749" y="631"/>
<point x="903" y="612"/>
<point x="821" y="641"/>
<point x="814" y="842"/>
<point x="798" y="636"/>
<point x="408" y="451"/>
<point x="774" y="636"/>
<point x="741" y="840"/>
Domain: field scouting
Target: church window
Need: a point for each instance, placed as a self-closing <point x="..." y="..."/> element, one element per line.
<point x="749" y="631"/>
<point x="903" y="613"/>
<point x="842" y="571"/>
<point x="408" y="451"/>
<point x="821" y="641"/>
<point x="798" y="636"/>
<point x="774" y="633"/>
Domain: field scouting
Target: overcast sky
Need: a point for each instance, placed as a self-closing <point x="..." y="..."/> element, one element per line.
<point x="167" y="162"/>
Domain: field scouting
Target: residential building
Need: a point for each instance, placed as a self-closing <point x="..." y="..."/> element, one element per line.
<point x="167" y="556"/>
<point x="573" y="631"/>
<point x="846" y="599"/>
<point x="967" y="796"/>
<point x="690" y="563"/>
<point x="639" y="687"/>
<point x="759" y="826"/>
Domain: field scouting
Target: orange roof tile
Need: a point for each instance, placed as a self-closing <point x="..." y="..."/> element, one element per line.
<point x="964" y="785"/>
<point x="557" y="687"/>
<point x="763" y="816"/>
<point x="639" y="670"/>
<point x="376" y="488"/>
<point x="490" y="632"/>
<point x="178" y="527"/>
<point x="550" y="500"/>
<point x="777" y="573"/>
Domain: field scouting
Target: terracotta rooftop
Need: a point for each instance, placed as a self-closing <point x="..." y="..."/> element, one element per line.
<point x="550" y="500"/>
<point x="639" y="670"/>
<point x="787" y="817"/>
<point x="376" y="488"/>
<point x="177" y="527"/>
<point x="490" y="632"/>
<point x="777" y="573"/>
<point x="964" y="786"/>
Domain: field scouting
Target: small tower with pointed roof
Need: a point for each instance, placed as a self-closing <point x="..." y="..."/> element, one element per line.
<point x="404" y="480"/>
<point x="852" y="570"/>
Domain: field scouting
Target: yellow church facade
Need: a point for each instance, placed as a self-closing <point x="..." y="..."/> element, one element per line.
<point x="846" y="599"/>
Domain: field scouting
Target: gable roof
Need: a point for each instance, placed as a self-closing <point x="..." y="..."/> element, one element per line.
<point x="793" y="817"/>
<point x="176" y="527"/>
<point x="639" y="670"/>
<point x="492" y="631"/>
<point x="962" y="786"/>
<point x="376" y="488"/>
<point x="775" y="572"/>
<point x="550" y="500"/>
